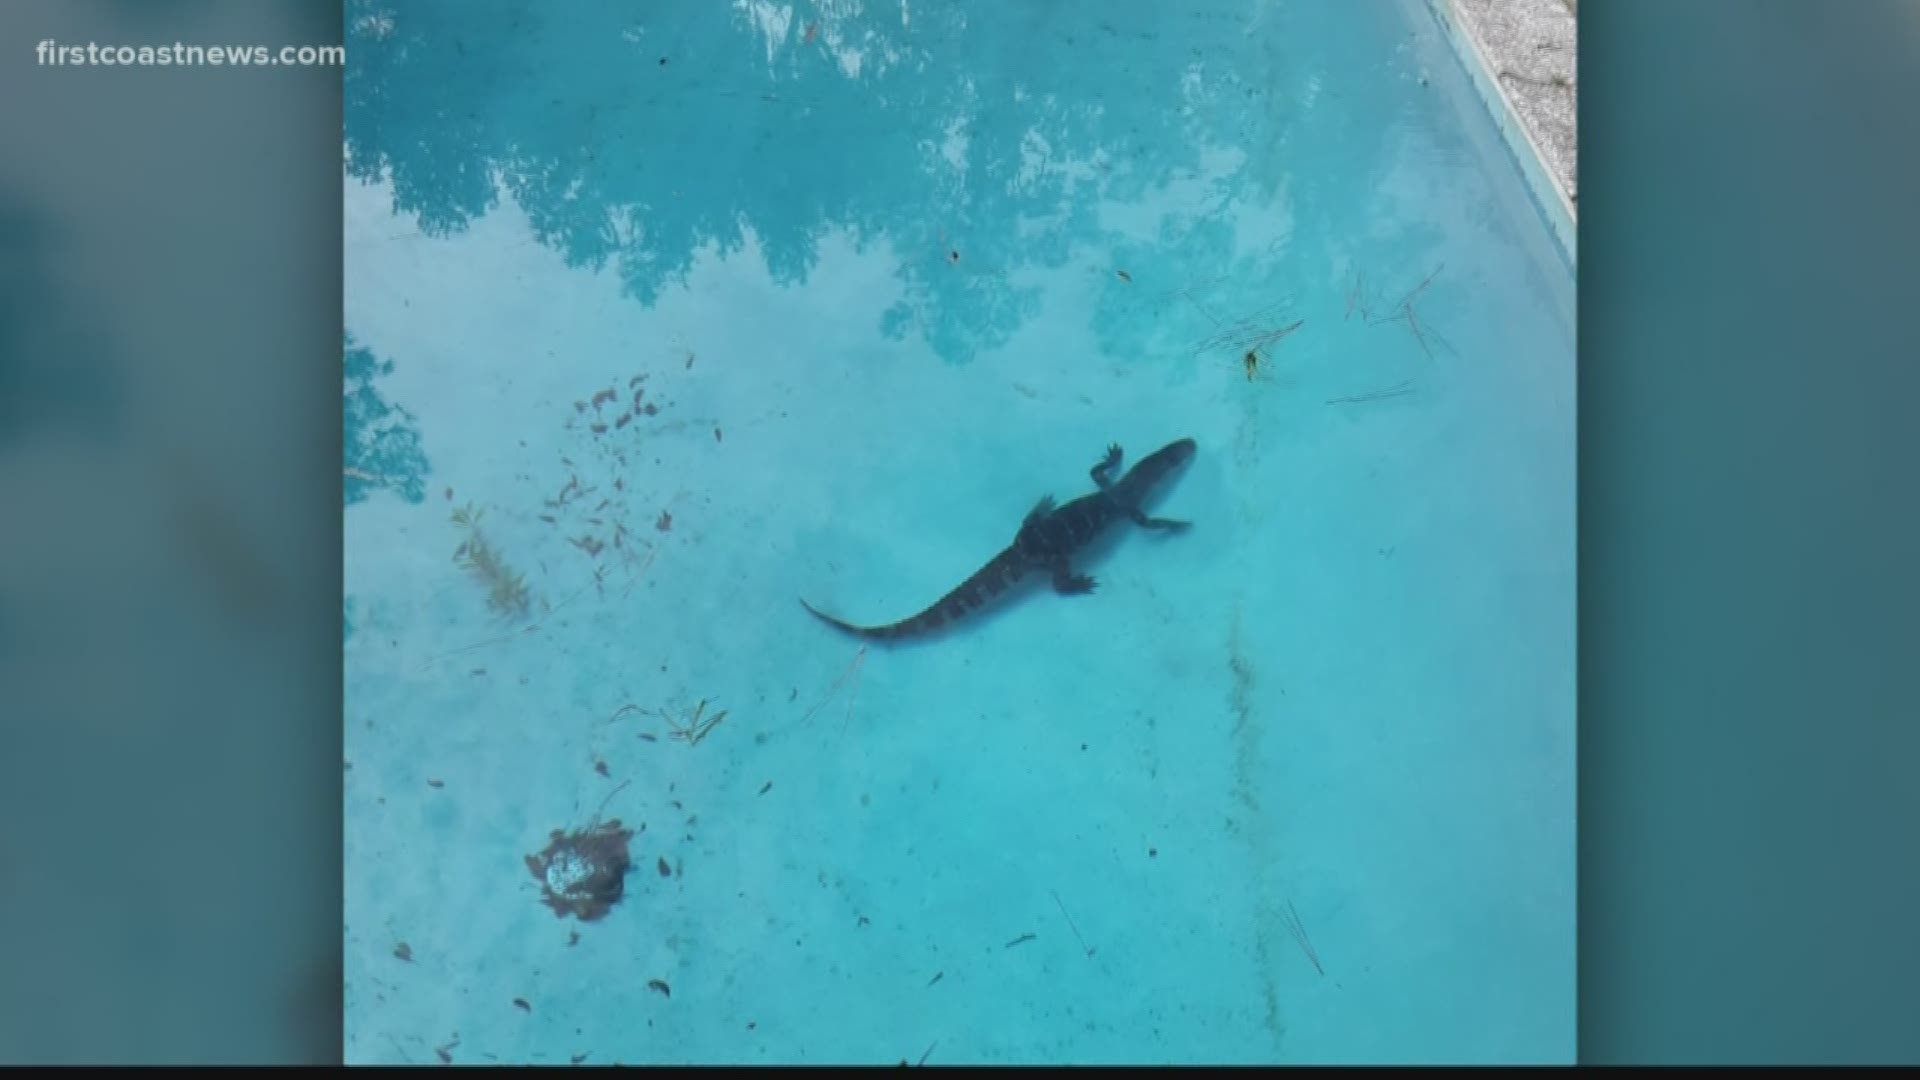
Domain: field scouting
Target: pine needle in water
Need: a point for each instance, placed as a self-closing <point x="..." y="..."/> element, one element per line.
<point x="506" y="588"/>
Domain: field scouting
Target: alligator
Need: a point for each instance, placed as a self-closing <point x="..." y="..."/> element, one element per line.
<point x="1048" y="539"/>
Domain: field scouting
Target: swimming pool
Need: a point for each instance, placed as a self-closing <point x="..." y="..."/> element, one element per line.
<point x="663" y="318"/>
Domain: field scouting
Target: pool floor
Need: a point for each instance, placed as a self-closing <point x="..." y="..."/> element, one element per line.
<point x="663" y="319"/>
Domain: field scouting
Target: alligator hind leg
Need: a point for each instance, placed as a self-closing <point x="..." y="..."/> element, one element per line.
<point x="1068" y="583"/>
<point x="1161" y="524"/>
<point x="1040" y="509"/>
<point x="1103" y="472"/>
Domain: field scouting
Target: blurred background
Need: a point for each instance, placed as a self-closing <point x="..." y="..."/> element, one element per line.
<point x="169" y="515"/>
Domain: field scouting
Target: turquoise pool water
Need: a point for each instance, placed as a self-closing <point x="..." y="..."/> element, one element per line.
<point x="690" y="310"/>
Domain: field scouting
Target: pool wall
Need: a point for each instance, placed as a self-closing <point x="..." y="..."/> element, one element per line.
<point x="1543" y="26"/>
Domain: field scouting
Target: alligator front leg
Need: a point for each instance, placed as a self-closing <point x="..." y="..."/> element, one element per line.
<point x="1068" y="583"/>
<point x="1161" y="524"/>
<point x="1103" y="472"/>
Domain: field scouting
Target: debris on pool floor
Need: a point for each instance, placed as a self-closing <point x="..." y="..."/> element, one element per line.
<point x="583" y="873"/>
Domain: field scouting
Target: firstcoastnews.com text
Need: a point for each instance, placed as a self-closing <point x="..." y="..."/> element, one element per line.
<point x="52" y="53"/>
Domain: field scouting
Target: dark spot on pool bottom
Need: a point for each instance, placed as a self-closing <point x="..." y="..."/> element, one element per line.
<point x="581" y="873"/>
<point x="660" y="985"/>
<point x="665" y="870"/>
<point x="1153" y="853"/>
<point x="521" y="1004"/>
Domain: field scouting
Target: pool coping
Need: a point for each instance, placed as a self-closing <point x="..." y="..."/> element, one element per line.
<point x="1492" y="56"/>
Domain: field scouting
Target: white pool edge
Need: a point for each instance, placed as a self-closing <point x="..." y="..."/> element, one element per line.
<point x="1548" y="192"/>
